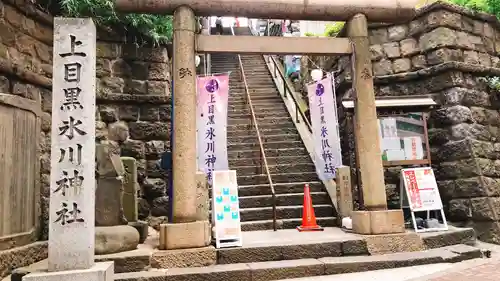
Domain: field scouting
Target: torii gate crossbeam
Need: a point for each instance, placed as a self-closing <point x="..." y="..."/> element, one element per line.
<point x="389" y="11"/>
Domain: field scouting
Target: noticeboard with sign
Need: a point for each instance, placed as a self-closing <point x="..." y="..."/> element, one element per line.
<point x="419" y="192"/>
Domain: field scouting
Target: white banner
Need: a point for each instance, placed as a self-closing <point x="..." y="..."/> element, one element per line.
<point x="212" y="123"/>
<point x="324" y="121"/>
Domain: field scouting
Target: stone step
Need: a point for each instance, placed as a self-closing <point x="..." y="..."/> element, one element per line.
<point x="255" y="80"/>
<point x="271" y="152"/>
<point x="267" y="145"/>
<point x="250" y="130"/>
<point x="235" y="64"/>
<point x="256" y="169"/>
<point x="313" y="260"/>
<point x="256" y="106"/>
<point x="290" y="199"/>
<point x="262" y="127"/>
<point x="296" y="159"/>
<point x="255" y="92"/>
<point x="284" y="212"/>
<point x="261" y="120"/>
<point x="284" y="224"/>
<point x="234" y="139"/>
<point x="279" y="188"/>
<point x="284" y="177"/>
<point x="258" y="113"/>
<point x="269" y="97"/>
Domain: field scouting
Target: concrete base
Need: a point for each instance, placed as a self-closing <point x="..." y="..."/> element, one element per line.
<point x="184" y="235"/>
<point x="196" y="257"/>
<point x="102" y="271"/>
<point x="378" y="222"/>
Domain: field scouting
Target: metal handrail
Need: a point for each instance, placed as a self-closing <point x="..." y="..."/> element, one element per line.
<point x="263" y="160"/>
<point x="286" y="87"/>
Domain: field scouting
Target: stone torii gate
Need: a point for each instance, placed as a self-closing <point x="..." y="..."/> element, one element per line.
<point x="376" y="219"/>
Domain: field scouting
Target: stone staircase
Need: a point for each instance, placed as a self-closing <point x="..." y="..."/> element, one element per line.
<point x="289" y="162"/>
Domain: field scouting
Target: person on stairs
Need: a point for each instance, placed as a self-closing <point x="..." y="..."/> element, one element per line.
<point x="218" y="26"/>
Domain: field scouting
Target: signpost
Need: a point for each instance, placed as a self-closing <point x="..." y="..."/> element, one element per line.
<point x="419" y="192"/>
<point x="226" y="210"/>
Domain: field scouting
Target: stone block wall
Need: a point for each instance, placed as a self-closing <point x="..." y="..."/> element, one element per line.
<point x="133" y="87"/>
<point x="445" y="52"/>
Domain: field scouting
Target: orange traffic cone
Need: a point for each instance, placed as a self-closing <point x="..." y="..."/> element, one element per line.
<point x="308" y="217"/>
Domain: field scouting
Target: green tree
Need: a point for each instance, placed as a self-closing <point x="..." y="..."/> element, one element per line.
<point x="157" y="28"/>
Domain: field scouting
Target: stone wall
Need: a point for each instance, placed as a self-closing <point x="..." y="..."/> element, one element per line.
<point x="133" y="88"/>
<point x="445" y="52"/>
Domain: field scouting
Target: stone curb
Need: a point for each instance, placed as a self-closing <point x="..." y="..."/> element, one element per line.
<point x="276" y="270"/>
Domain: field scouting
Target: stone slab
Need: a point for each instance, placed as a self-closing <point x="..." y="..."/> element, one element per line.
<point x="367" y="263"/>
<point x="184" y="235"/>
<point x="447" y="238"/>
<point x="263" y="271"/>
<point x="279" y="252"/>
<point x="378" y="222"/>
<point x="72" y="164"/>
<point x="394" y="243"/>
<point x="102" y="271"/>
<point x="196" y="257"/>
<point x="225" y="272"/>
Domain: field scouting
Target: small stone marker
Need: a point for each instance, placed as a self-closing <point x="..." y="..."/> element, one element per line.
<point x="130" y="189"/>
<point x="72" y="182"/>
<point x="344" y="194"/>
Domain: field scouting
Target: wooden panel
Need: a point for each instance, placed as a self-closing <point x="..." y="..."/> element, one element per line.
<point x="18" y="175"/>
<point x="270" y="45"/>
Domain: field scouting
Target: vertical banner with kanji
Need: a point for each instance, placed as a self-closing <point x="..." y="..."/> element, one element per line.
<point x="324" y="121"/>
<point x="212" y="123"/>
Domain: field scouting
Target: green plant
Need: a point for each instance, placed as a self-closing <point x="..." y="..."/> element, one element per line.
<point x="309" y="34"/>
<point x="158" y="28"/>
<point x="332" y="29"/>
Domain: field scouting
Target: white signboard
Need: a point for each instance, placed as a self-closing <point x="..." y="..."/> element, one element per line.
<point x="419" y="187"/>
<point x="226" y="209"/>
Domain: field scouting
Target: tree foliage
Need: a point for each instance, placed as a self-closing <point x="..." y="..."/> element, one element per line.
<point x="157" y="28"/>
<point x="487" y="6"/>
<point x="332" y="29"/>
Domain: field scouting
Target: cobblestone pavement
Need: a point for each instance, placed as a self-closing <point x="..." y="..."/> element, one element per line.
<point x="477" y="270"/>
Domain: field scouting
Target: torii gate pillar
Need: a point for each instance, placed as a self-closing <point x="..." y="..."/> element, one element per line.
<point x="376" y="219"/>
<point x="184" y="231"/>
